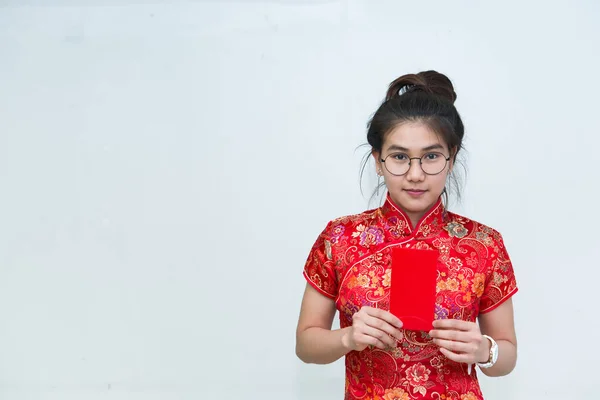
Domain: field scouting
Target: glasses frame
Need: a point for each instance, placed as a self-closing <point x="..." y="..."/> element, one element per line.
<point x="420" y="163"/>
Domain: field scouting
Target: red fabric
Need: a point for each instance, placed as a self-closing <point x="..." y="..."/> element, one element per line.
<point x="412" y="289"/>
<point x="351" y="262"/>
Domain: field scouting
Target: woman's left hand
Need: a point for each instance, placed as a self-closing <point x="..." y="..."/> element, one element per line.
<point x="460" y="341"/>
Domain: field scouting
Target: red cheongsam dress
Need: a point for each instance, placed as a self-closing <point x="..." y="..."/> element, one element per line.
<point x="351" y="263"/>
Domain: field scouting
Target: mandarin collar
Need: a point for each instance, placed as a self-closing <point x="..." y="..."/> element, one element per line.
<point x="398" y="224"/>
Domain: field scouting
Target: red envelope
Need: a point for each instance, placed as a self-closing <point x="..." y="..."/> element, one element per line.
<point x="413" y="287"/>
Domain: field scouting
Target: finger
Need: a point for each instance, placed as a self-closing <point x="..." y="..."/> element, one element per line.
<point x="454" y="324"/>
<point x="456" y="347"/>
<point x="460" y="358"/>
<point x="380" y="335"/>
<point x="382" y="325"/>
<point x="384" y="315"/>
<point x="369" y="340"/>
<point x="457" y="336"/>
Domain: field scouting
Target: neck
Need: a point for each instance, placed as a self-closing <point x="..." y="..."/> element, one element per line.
<point x="401" y="223"/>
<point x="414" y="218"/>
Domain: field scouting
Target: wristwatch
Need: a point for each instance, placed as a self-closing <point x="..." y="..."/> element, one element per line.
<point x="493" y="354"/>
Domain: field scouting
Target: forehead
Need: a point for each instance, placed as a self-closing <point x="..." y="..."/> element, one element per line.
<point x="412" y="136"/>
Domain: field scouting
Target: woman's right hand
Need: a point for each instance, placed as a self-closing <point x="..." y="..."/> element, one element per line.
<point x="372" y="327"/>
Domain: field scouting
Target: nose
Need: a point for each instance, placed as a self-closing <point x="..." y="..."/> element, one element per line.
<point x="415" y="172"/>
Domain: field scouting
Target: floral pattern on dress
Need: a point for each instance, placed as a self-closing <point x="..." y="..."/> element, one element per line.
<point x="350" y="262"/>
<point x="395" y="394"/>
<point x="369" y="235"/>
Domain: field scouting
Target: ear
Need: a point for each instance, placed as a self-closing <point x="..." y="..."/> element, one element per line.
<point x="378" y="167"/>
<point x="452" y="160"/>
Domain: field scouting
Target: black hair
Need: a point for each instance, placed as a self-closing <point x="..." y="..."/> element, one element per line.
<point x="427" y="97"/>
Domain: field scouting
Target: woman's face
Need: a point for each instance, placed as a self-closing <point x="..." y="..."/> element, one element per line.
<point x="415" y="191"/>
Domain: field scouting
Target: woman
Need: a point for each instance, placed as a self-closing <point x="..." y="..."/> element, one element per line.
<point x="415" y="136"/>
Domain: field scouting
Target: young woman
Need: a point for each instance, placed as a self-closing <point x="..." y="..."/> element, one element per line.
<point x="415" y="137"/>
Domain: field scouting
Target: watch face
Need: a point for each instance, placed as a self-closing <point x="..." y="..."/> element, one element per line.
<point x="494" y="352"/>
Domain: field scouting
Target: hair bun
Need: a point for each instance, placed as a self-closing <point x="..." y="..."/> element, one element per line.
<point x="427" y="81"/>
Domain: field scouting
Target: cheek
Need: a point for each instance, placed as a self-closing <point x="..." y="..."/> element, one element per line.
<point x="393" y="181"/>
<point x="438" y="182"/>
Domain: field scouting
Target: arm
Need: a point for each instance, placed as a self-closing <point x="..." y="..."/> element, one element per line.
<point x="463" y="341"/>
<point x="499" y="324"/>
<point x="315" y="341"/>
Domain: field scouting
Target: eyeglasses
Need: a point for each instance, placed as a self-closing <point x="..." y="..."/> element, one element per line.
<point x="399" y="163"/>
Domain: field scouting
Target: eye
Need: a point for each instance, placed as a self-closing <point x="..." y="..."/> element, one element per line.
<point x="399" y="157"/>
<point x="431" y="156"/>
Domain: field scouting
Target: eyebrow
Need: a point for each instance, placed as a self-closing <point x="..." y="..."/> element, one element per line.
<point x="395" y="147"/>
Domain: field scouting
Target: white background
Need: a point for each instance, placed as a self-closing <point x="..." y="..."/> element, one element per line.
<point x="166" y="166"/>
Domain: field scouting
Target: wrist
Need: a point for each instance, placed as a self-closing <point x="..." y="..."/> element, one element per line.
<point x="484" y="351"/>
<point x="345" y="341"/>
<point x="492" y="355"/>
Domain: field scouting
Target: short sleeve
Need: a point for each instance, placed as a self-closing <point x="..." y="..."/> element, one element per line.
<point x="500" y="282"/>
<point x="319" y="268"/>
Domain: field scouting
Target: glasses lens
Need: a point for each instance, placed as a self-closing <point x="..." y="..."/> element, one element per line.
<point x="397" y="164"/>
<point x="433" y="163"/>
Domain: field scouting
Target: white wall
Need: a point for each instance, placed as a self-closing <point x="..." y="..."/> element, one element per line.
<point x="166" y="166"/>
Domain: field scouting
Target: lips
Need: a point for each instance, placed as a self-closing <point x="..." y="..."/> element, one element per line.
<point x="415" y="192"/>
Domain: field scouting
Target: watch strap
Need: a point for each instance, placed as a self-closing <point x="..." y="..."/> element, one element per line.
<point x="493" y="357"/>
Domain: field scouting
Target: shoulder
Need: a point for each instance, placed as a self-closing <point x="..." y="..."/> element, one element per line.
<point x="336" y="238"/>
<point x="346" y="232"/>
<point x="348" y="224"/>
<point x="460" y="226"/>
